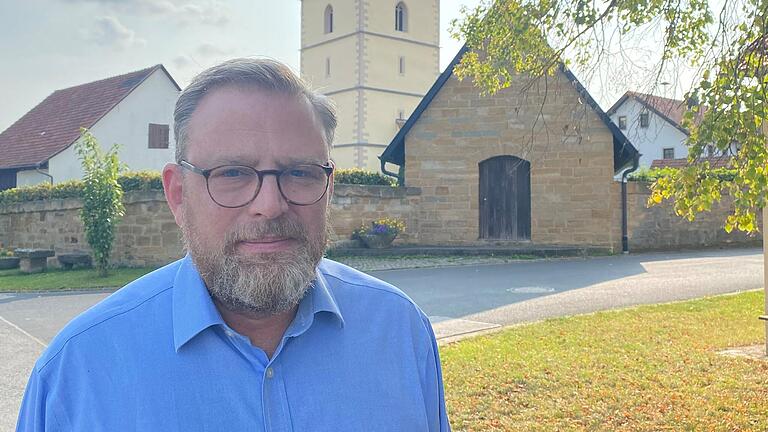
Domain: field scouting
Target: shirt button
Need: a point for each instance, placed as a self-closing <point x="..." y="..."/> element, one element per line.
<point x="270" y="373"/>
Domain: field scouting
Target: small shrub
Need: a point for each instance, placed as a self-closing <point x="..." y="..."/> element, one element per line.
<point x="359" y="176"/>
<point x="141" y="181"/>
<point x="102" y="197"/>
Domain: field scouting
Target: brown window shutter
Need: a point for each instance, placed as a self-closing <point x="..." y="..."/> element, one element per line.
<point x="158" y="136"/>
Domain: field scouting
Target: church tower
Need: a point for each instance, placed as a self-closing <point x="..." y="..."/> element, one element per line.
<point x="376" y="59"/>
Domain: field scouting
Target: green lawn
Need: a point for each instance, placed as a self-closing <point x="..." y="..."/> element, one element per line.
<point x="651" y="368"/>
<point x="13" y="280"/>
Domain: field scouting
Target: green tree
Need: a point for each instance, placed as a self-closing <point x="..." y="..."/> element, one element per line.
<point x="510" y="39"/>
<point x="102" y="197"/>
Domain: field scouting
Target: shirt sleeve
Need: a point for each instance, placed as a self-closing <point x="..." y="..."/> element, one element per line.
<point x="433" y="386"/>
<point x="32" y="412"/>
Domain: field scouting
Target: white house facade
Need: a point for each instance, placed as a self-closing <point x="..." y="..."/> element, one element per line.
<point x="134" y="110"/>
<point x="649" y="124"/>
<point x="127" y="124"/>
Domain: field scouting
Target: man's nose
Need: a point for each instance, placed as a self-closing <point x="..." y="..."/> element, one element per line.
<point x="269" y="201"/>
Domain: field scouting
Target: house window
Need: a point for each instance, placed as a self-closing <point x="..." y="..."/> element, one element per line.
<point x="623" y="122"/>
<point x="401" y="17"/>
<point x="328" y="19"/>
<point x="327" y="67"/>
<point x="644" y="120"/>
<point x="710" y="150"/>
<point x="158" y="136"/>
<point x="669" y="153"/>
<point x="401" y="66"/>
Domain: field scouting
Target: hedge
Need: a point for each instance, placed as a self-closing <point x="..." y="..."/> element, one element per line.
<point x="152" y="180"/>
<point x="361" y="177"/>
<point x="650" y="175"/>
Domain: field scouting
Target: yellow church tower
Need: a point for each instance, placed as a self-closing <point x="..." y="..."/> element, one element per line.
<point x="376" y="59"/>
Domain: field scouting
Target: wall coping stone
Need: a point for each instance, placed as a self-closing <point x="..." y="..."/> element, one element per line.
<point x="347" y="190"/>
<point x="133" y="197"/>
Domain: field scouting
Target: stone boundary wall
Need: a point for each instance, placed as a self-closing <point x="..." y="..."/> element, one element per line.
<point x="148" y="235"/>
<point x="658" y="228"/>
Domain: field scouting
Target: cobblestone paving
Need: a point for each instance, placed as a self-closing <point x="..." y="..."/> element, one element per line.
<point x="364" y="263"/>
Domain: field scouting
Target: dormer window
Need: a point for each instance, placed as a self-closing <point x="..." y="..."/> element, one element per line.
<point x="328" y="19"/>
<point x="401" y="17"/>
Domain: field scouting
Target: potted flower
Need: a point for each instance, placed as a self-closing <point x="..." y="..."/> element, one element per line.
<point x="7" y="259"/>
<point x="380" y="234"/>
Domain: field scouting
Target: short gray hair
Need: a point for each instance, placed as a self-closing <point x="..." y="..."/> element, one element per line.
<point x="261" y="73"/>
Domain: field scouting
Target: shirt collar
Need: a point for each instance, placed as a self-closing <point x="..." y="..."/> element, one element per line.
<point x="318" y="299"/>
<point x="194" y="311"/>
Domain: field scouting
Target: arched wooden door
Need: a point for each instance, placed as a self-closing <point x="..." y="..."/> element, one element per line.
<point x="505" y="198"/>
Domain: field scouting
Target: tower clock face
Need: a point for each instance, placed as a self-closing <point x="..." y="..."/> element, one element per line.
<point x="376" y="60"/>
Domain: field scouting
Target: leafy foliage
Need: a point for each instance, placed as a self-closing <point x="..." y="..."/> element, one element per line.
<point x="131" y="181"/>
<point x="361" y="177"/>
<point x="102" y="197"/>
<point x="507" y="39"/>
<point x="141" y="181"/>
<point x="43" y="191"/>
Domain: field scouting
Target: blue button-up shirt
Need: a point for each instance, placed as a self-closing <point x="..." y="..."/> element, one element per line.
<point x="157" y="356"/>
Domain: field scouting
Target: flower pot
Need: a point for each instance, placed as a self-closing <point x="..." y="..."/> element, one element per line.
<point x="9" y="263"/>
<point x="377" y="241"/>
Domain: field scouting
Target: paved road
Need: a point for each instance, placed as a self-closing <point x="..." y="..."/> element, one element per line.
<point x="459" y="300"/>
<point x="483" y="297"/>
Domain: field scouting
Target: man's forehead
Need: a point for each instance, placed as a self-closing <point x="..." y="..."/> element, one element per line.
<point x="254" y="115"/>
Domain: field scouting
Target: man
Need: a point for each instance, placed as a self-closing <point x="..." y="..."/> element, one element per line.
<point x="252" y="330"/>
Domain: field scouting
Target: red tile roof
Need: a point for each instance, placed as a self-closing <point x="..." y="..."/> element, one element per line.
<point x="714" y="162"/>
<point x="671" y="110"/>
<point x="54" y="124"/>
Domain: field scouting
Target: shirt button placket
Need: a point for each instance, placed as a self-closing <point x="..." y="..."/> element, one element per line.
<point x="275" y="402"/>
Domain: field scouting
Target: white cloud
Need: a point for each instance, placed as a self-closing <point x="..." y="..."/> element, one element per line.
<point x="210" y="13"/>
<point x="211" y="50"/>
<point x="182" y="61"/>
<point x="206" y="12"/>
<point x="203" y="54"/>
<point x="109" y="31"/>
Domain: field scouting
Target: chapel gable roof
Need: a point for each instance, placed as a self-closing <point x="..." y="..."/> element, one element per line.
<point x="623" y="151"/>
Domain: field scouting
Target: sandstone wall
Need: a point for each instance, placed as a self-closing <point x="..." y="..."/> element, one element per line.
<point x="148" y="235"/>
<point x="658" y="228"/>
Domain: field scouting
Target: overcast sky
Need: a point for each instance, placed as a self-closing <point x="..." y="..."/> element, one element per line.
<point x="53" y="44"/>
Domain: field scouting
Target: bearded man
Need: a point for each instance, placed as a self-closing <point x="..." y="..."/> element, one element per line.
<point x="253" y="329"/>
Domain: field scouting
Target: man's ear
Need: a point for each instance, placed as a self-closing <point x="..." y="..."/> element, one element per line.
<point x="174" y="193"/>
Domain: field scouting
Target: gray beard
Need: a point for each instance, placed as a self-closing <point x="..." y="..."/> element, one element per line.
<point x="258" y="284"/>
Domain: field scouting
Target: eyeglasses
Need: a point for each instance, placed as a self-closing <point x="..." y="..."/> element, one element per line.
<point x="234" y="186"/>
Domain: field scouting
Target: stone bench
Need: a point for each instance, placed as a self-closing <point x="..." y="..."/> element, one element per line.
<point x="72" y="259"/>
<point x="33" y="260"/>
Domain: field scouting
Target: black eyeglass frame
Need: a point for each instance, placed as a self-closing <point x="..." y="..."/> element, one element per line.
<point x="328" y="168"/>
